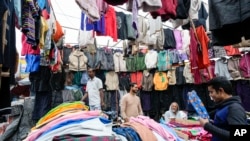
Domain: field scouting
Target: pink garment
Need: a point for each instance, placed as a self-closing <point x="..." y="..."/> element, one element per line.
<point x="153" y="125"/>
<point x="27" y="48"/>
<point x="245" y="65"/>
<point x="178" y="39"/>
<point x="74" y="116"/>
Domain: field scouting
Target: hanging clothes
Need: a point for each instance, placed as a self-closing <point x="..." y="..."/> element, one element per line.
<point x="119" y="62"/>
<point x="221" y="69"/>
<point x="182" y="9"/>
<point x="160" y="81"/>
<point x="151" y="59"/>
<point x="130" y="30"/>
<point x="164" y="61"/>
<point x="233" y="67"/>
<point x="170" y="42"/>
<point x="121" y="25"/>
<point x="29" y="19"/>
<point x="136" y="77"/>
<point x="194" y="58"/>
<point x="110" y="22"/>
<point x="167" y="11"/>
<point x="147" y="81"/>
<point x="242" y="89"/>
<point x="124" y="81"/>
<point x="245" y="65"/>
<point x="89" y="7"/>
<point x="227" y="29"/>
<point x="112" y="81"/>
<point x="203" y="59"/>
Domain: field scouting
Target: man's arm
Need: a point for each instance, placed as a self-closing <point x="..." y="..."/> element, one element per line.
<point x="139" y="108"/>
<point x="123" y="108"/>
<point x="85" y="96"/>
<point x="214" y="130"/>
<point x="101" y="97"/>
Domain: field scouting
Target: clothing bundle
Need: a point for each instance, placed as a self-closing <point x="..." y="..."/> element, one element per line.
<point x="71" y="119"/>
<point x="143" y="128"/>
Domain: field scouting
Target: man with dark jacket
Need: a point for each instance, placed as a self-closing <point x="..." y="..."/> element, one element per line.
<point x="228" y="110"/>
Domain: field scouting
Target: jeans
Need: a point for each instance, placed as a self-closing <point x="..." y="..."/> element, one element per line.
<point x="94" y="107"/>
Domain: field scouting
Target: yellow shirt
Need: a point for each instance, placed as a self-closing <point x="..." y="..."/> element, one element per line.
<point x="43" y="29"/>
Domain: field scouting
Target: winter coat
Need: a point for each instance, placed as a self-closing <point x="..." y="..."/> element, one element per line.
<point x="77" y="61"/>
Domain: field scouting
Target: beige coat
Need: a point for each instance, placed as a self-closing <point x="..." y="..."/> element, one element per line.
<point x="77" y="61"/>
<point x="112" y="81"/>
<point x="119" y="62"/>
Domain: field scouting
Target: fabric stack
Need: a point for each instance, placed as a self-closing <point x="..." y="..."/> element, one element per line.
<point x="71" y="121"/>
<point x="143" y="128"/>
<point x="189" y="129"/>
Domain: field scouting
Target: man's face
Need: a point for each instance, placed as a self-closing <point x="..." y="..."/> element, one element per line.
<point x="215" y="96"/>
<point x="174" y="107"/>
<point x="91" y="73"/>
<point x="135" y="89"/>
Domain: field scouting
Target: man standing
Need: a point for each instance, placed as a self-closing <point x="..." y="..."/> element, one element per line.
<point x="131" y="104"/>
<point x="228" y="109"/>
<point x="94" y="91"/>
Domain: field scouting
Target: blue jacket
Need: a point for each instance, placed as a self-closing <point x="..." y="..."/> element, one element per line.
<point x="229" y="112"/>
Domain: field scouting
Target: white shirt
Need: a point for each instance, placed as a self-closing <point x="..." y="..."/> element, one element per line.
<point x="151" y="59"/>
<point x="93" y="89"/>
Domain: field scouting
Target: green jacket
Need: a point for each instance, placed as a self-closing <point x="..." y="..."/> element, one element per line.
<point x="130" y="64"/>
<point x="140" y="62"/>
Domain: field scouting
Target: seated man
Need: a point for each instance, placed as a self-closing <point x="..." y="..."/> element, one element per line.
<point x="174" y="113"/>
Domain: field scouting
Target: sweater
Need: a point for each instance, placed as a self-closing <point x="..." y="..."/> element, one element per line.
<point x="233" y="68"/>
<point x="160" y="81"/>
<point x="112" y="81"/>
<point x="119" y="62"/>
<point x="151" y="59"/>
<point x="147" y="81"/>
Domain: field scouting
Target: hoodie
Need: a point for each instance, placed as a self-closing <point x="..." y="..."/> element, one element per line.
<point x="229" y="112"/>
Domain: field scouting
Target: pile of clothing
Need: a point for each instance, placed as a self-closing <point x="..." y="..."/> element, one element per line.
<point x="71" y="121"/>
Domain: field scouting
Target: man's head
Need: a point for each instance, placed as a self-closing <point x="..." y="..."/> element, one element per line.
<point x="219" y="89"/>
<point x="91" y="72"/>
<point x="133" y="88"/>
<point x="174" y="107"/>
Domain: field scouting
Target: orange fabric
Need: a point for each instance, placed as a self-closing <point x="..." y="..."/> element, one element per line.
<point x="136" y="77"/>
<point x="232" y="51"/>
<point x="203" y="58"/>
<point x="37" y="126"/>
<point x="144" y="133"/>
<point x="160" y="81"/>
<point x="61" y="109"/>
<point x="58" y="33"/>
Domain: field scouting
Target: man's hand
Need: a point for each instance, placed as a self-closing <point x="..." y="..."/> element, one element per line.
<point x="126" y="119"/>
<point x="203" y="121"/>
<point x="102" y="104"/>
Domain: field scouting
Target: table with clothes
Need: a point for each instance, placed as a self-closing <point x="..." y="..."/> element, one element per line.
<point x="74" y="121"/>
